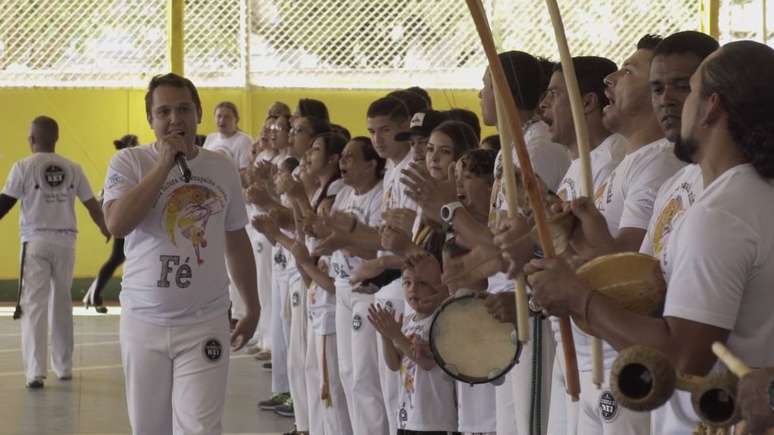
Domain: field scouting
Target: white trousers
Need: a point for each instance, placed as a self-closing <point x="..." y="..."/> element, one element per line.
<point x="515" y="395"/>
<point x="48" y="278"/>
<point x="359" y="362"/>
<point x="297" y="352"/>
<point x="280" y="333"/>
<point x="325" y="418"/>
<point x="392" y="296"/>
<point x="563" y="412"/>
<point x="175" y="376"/>
<point x="600" y="414"/>
<point x="262" y="254"/>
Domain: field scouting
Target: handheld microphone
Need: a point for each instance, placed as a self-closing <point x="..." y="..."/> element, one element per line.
<point x="182" y="165"/>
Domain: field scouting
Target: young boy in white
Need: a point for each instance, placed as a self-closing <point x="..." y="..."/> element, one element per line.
<point x="174" y="329"/>
<point x="426" y="392"/>
<point x="47" y="185"/>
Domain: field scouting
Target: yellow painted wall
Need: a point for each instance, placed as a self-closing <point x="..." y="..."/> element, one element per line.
<point x="90" y="119"/>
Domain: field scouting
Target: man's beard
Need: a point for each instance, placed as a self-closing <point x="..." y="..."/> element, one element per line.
<point x="685" y="148"/>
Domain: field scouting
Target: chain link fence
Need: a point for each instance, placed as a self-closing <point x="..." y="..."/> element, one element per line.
<point x="316" y="43"/>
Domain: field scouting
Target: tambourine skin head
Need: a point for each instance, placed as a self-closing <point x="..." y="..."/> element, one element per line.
<point x="633" y="280"/>
<point x="642" y="379"/>
<point x="469" y="344"/>
<point x="714" y="400"/>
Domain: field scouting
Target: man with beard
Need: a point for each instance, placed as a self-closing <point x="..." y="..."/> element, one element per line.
<point x="717" y="260"/>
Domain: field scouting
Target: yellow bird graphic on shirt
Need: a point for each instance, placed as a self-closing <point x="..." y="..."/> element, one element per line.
<point x="188" y="209"/>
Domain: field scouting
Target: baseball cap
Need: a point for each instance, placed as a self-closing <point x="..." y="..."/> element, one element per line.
<point x="422" y="124"/>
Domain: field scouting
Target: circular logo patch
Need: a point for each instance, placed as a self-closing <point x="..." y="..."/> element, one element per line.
<point x="213" y="350"/>
<point x="357" y="322"/>
<point x="403" y="415"/>
<point x="54" y="175"/>
<point x="608" y="407"/>
<point x="389" y="306"/>
<point x="294" y="299"/>
<point x="259" y="248"/>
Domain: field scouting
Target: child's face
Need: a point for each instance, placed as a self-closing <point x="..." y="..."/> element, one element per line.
<point x="421" y="295"/>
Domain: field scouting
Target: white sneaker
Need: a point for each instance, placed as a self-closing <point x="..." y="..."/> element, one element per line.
<point x="88" y="298"/>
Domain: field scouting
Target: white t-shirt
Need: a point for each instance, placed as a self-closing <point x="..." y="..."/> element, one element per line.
<point x="321" y="305"/>
<point x="47" y="184"/>
<point x="175" y="271"/>
<point x="626" y="197"/>
<point x="476" y="407"/>
<point x="367" y="208"/>
<point x="426" y="400"/>
<point x="720" y="268"/>
<point x="550" y="162"/>
<point x="395" y="191"/>
<point x="238" y="147"/>
<point x="604" y="158"/>
<point x="673" y="199"/>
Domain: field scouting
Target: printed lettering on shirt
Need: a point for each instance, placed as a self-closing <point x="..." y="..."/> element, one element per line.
<point x="182" y="274"/>
<point x="53" y="181"/>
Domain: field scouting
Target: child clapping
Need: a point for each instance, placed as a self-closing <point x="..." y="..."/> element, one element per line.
<point x="426" y="393"/>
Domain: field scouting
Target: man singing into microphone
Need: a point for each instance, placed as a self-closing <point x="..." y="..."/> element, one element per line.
<point x="174" y="325"/>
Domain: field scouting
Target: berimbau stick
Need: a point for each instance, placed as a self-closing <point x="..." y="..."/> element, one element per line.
<point x="528" y="176"/>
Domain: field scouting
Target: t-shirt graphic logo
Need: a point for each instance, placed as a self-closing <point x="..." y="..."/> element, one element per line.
<point x="54" y="175"/>
<point x="608" y="407"/>
<point x="295" y="299"/>
<point x="187" y="212"/>
<point x="213" y="350"/>
<point x="357" y="322"/>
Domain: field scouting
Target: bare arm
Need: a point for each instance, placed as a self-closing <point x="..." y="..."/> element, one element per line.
<point x="124" y="214"/>
<point x="629" y="239"/>
<point x="241" y="264"/>
<point x="95" y="211"/>
<point x="474" y="232"/>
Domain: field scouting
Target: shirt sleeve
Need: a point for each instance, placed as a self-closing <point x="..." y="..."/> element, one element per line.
<point x="375" y="212"/>
<point x="644" y="183"/>
<point x="710" y="268"/>
<point x="121" y="177"/>
<point x="14" y="184"/>
<point x="84" y="191"/>
<point x="236" y="211"/>
<point x="243" y="152"/>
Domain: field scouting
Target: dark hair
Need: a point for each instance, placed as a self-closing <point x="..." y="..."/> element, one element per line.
<point x="126" y="141"/>
<point x="591" y="72"/>
<point x="175" y="81"/>
<point x="47" y="130"/>
<point x="413" y="101"/>
<point x="466" y="116"/>
<point x="525" y="78"/>
<point x="333" y="143"/>
<point x="649" y="42"/>
<point x="289" y="163"/>
<point x="369" y="154"/>
<point x="493" y="141"/>
<point x="747" y="95"/>
<point x="311" y="107"/>
<point x="479" y="162"/>
<point x="341" y="130"/>
<point x="230" y="106"/>
<point x="390" y="107"/>
<point x="318" y="125"/>
<point x="422" y="93"/>
<point x="461" y="134"/>
<point x="547" y="66"/>
<point x="699" y="44"/>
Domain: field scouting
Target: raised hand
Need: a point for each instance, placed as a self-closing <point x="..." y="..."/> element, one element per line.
<point x="429" y="193"/>
<point x="384" y="322"/>
<point x="366" y="270"/>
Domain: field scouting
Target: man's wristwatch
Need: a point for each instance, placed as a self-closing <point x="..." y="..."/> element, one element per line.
<point x="448" y="210"/>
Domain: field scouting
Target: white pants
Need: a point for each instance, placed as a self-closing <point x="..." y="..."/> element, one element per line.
<point x="175" y="376"/>
<point x="48" y="277"/>
<point x="324" y="419"/>
<point x="563" y="412"/>
<point x="514" y="397"/>
<point x="280" y="333"/>
<point x="393" y="296"/>
<point x="262" y="253"/>
<point x="359" y="362"/>
<point x="599" y="413"/>
<point x="297" y="352"/>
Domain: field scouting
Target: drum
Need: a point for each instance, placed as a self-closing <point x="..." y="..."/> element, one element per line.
<point x="469" y="344"/>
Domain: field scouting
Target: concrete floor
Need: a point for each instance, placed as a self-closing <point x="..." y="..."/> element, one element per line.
<point x="94" y="403"/>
